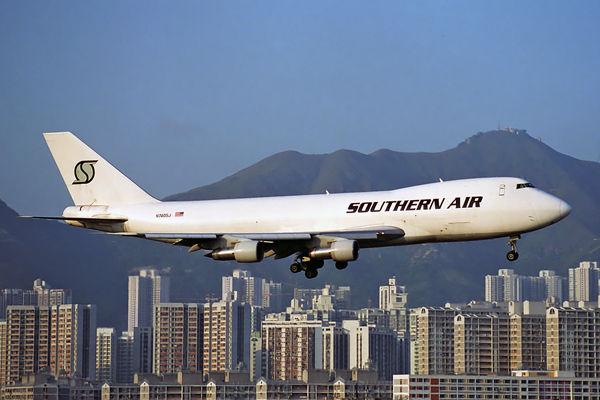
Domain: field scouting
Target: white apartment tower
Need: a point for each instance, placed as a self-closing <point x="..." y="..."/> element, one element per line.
<point x="146" y="289"/>
<point x="243" y="287"/>
<point x="583" y="282"/>
<point x="555" y="286"/>
<point x="46" y="296"/>
<point x="392" y="296"/>
<point x="504" y="287"/>
<point x="373" y="348"/>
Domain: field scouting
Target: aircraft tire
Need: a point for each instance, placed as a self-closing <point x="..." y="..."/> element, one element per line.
<point x="341" y="264"/>
<point x="295" y="268"/>
<point x="512" y="255"/>
<point x="311" y="273"/>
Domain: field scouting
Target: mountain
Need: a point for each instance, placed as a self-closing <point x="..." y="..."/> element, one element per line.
<point x="95" y="266"/>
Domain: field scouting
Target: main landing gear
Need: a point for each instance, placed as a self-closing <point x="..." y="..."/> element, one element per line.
<point x="513" y="255"/>
<point x="308" y="265"/>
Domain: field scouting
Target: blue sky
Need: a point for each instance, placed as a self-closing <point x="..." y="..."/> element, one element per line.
<point x="181" y="94"/>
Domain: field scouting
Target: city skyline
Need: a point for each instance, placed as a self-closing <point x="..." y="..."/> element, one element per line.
<point x="220" y="335"/>
<point x="392" y="294"/>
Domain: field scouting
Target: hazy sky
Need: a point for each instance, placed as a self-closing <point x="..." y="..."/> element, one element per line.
<point x="181" y="94"/>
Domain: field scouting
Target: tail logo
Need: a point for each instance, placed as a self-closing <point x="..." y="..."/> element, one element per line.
<point x="84" y="172"/>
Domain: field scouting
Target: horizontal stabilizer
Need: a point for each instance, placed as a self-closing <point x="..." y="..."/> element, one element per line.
<point x="101" y="220"/>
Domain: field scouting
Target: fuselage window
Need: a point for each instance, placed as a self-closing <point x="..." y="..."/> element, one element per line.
<point x="524" y="185"/>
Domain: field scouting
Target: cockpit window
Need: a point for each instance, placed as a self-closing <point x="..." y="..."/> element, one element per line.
<point x="524" y="185"/>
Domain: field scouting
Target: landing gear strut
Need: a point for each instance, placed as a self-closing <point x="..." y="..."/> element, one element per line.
<point x="513" y="255"/>
<point x="308" y="265"/>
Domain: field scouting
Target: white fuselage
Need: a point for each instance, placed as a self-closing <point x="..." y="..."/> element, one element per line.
<point x="469" y="209"/>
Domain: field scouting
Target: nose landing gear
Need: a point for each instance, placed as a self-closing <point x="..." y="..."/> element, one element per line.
<point x="513" y="255"/>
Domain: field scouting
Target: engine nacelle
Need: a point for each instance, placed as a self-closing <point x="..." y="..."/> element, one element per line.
<point x="247" y="251"/>
<point x="341" y="250"/>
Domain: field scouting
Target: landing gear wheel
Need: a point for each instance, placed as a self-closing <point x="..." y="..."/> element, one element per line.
<point x="341" y="264"/>
<point x="513" y="255"/>
<point x="311" y="273"/>
<point x="295" y="268"/>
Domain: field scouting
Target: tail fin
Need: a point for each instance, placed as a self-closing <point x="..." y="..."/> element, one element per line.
<point x="91" y="180"/>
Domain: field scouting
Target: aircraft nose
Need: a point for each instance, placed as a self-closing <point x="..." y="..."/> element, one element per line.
<point x="550" y="209"/>
<point x="565" y="209"/>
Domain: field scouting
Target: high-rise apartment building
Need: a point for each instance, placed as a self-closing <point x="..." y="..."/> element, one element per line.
<point x="46" y="296"/>
<point x="527" y="336"/>
<point x="243" y="287"/>
<point x="3" y="352"/>
<point x="481" y="344"/>
<point x="73" y="339"/>
<point x="508" y="286"/>
<point x="392" y="296"/>
<point x="291" y="343"/>
<point x="336" y="347"/>
<point x="433" y="337"/>
<point x="41" y="295"/>
<point x="226" y="336"/>
<point x="272" y="296"/>
<point x="584" y="281"/>
<point x="125" y="357"/>
<point x="147" y="288"/>
<point x="142" y="350"/>
<point x="58" y="338"/>
<point x="255" y="367"/>
<point x="106" y="354"/>
<point x="504" y="287"/>
<point x="572" y="340"/>
<point x="372" y="347"/>
<point x="177" y="337"/>
<point x="330" y="297"/>
<point x="556" y="287"/>
<point x="16" y="297"/>
<point x="257" y="292"/>
<point x="432" y="340"/>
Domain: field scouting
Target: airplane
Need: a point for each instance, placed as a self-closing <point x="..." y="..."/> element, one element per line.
<point x="314" y="228"/>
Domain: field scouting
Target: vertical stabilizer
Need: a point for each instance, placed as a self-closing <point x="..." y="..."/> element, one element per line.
<point x="91" y="180"/>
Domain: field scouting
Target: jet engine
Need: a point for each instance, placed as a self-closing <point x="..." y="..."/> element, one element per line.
<point x="340" y="250"/>
<point x="247" y="251"/>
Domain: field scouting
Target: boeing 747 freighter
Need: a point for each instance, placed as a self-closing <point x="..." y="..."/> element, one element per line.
<point x="313" y="228"/>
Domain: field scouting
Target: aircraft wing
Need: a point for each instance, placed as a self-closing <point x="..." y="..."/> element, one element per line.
<point x="371" y="233"/>
<point x="280" y="245"/>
